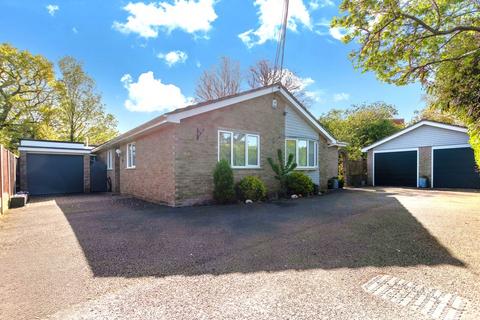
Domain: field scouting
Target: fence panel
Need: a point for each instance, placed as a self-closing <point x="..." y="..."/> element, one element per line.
<point x="8" y="166"/>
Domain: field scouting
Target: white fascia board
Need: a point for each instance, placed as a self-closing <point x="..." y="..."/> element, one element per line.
<point x="308" y="116"/>
<point x="129" y="136"/>
<point x="53" y="144"/>
<point x="53" y="150"/>
<point x="415" y="126"/>
<point x="177" y="117"/>
<point x="338" y="144"/>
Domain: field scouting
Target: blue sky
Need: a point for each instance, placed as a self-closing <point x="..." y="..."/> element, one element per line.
<point x="147" y="56"/>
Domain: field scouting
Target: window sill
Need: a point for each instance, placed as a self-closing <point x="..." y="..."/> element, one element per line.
<point x="306" y="168"/>
<point x="130" y="168"/>
<point x="246" y="168"/>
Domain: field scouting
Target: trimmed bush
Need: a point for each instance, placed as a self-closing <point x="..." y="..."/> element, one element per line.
<point x="223" y="191"/>
<point x="252" y="188"/>
<point x="299" y="183"/>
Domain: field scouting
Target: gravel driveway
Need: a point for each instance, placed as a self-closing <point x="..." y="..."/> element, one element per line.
<point x="103" y="256"/>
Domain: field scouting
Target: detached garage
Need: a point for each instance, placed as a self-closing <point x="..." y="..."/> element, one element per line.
<point x="436" y="151"/>
<point x="51" y="167"/>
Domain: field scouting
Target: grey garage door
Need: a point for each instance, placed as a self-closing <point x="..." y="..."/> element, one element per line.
<point x="54" y="174"/>
<point x="455" y="168"/>
<point x="398" y="169"/>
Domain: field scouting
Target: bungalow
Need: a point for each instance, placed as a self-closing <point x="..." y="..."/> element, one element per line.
<point x="170" y="159"/>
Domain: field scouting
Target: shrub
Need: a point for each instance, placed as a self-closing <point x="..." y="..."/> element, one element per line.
<point x="223" y="191"/>
<point x="251" y="188"/>
<point x="282" y="169"/>
<point x="299" y="183"/>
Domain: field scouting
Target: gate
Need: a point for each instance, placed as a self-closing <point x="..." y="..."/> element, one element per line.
<point x="98" y="176"/>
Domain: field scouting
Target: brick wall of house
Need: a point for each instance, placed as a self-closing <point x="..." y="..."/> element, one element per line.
<point x="102" y="156"/>
<point x="332" y="162"/>
<point x="370" y="167"/>
<point x="174" y="164"/>
<point x="425" y="162"/>
<point x="197" y="140"/>
<point x="153" y="177"/>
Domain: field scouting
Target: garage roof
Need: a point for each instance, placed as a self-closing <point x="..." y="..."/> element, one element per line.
<point x="49" y="146"/>
<point x="413" y="127"/>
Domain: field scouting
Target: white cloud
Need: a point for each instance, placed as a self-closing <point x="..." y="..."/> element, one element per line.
<point x="337" y="33"/>
<point x="324" y="29"/>
<point x="74" y="30"/>
<point x="269" y="16"/>
<point x="146" y="20"/>
<point x="337" y="97"/>
<point x="316" y="4"/>
<point x="316" y="96"/>
<point x="173" y="57"/>
<point x="198" y="64"/>
<point x="149" y="94"/>
<point x="52" y="9"/>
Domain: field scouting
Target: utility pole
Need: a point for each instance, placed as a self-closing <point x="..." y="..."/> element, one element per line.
<point x="281" y="41"/>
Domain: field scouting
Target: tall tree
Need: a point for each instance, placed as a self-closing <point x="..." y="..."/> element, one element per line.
<point x="434" y="114"/>
<point x="26" y="95"/>
<point x="431" y="41"/>
<point x="82" y="114"/>
<point x="263" y="73"/>
<point x="220" y="81"/>
<point x="361" y="125"/>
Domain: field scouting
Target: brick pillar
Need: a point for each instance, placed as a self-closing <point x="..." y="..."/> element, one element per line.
<point x="425" y="163"/>
<point x="370" y="168"/>
<point x="23" y="171"/>
<point x="86" y="173"/>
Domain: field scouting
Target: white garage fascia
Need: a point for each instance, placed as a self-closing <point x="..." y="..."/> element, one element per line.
<point x="413" y="127"/>
<point x="397" y="150"/>
<point x="53" y="151"/>
<point x="454" y="146"/>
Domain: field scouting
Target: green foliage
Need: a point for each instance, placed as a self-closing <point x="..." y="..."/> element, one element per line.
<point x="456" y="89"/>
<point x="81" y="111"/>
<point x="361" y="125"/>
<point x="34" y="104"/>
<point x="435" y="114"/>
<point x="223" y="191"/>
<point x="282" y="169"/>
<point x="299" y="183"/>
<point x="252" y="188"/>
<point x="406" y="41"/>
<point x="431" y="41"/>
<point x="27" y="85"/>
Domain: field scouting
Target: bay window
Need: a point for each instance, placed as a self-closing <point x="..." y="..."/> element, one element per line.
<point x="305" y="152"/>
<point x="241" y="150"/>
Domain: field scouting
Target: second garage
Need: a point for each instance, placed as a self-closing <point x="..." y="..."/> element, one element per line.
<point x="454" y="167"/>
<point x="437" y="154"/>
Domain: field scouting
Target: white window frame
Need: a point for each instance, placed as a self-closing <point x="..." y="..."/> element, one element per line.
<point x="129" y="161"/>
<point x="246" y="166"/>
<point x="110" y="159"/>
<point x="315" y="145"/>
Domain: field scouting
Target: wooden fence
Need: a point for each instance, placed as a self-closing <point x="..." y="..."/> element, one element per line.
<point x="8" y="170"/>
